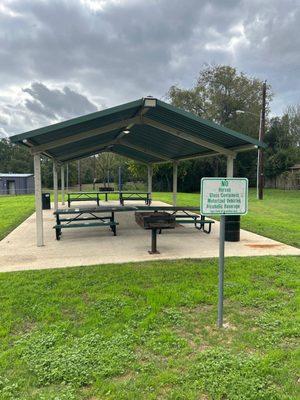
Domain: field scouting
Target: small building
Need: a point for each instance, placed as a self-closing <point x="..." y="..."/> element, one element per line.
<point x="16" y="183"/>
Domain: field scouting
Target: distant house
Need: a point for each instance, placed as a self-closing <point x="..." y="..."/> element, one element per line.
<point x="16" y="183"/>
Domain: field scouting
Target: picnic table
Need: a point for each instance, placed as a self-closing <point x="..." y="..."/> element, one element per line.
<point x="83" y="196"/>
<point x="134" y="195"/>
<point x="96" y="196"/>
<point x="87" y="217"/>
<point x="82" y="217"/>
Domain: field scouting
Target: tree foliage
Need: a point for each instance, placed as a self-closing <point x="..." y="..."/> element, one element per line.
<point x="219" y="93"/>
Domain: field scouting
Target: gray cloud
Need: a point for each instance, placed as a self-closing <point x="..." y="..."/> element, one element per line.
<point x="56" y="104"/>
<point x="86" y="58"/>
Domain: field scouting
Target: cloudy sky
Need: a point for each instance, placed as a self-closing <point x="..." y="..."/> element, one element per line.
<point x="64" y="58"/>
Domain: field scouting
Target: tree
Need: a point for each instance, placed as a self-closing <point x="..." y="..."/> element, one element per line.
<point x="14" y="158"/>
<point x="219" y="93"/>
<point x="283" y="142"/>
<point x="107" y="165"/>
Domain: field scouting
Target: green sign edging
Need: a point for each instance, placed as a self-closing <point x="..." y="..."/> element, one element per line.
<point x="217" y="179"/>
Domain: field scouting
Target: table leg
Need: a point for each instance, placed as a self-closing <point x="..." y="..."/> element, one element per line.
<point x="57" y="230"/>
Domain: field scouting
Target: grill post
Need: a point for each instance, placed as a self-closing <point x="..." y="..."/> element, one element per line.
<point x="153" y="241"/>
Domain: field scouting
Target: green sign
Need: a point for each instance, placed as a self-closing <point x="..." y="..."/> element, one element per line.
<point x="224" y="196"/>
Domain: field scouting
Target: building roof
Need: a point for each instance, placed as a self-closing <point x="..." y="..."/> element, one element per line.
<point x="147" y="130"/>
<point x="10" y="175"/>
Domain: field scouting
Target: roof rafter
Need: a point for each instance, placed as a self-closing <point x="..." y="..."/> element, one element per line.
<point x="90" y="149"/>
<point x="143" y="150"/>
<point x="187" y="136"/>
<point x="83" y="135"/>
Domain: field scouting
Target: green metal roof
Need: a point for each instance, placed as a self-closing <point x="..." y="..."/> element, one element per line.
<point x="157" y="133"/>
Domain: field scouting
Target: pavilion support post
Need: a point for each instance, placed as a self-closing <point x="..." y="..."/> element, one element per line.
<point x="67" y="185"/>
<point x="38" y="200"/>
<point x="55" y="185"/>
<point x="150" y="174"/>
<point x="62" y="182"/>
<point x="175" y="173"/>
<point x="230" y="161"/>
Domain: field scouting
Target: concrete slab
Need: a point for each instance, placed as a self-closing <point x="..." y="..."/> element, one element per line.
<point x="90" y="246"/>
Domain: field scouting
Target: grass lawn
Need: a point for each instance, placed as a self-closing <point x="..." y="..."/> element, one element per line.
<point x="13" y="211"/>
<point x="148" y="331"/>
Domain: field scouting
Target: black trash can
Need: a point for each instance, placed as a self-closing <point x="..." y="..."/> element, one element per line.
<point x="46" y="201"/>
<point x="232" y="228"/>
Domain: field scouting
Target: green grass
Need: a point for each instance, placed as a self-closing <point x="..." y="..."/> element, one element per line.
<point x="13" y="211"/>
<point x="276" y="217"/>
<point x="148" y="331"/>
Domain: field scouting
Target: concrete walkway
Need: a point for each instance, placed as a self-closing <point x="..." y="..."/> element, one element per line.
<point x="90" y="246"/>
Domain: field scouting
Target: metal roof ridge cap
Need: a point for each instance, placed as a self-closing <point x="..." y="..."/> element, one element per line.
<point x="211" y="123"/>
<point x="73" y="121"/>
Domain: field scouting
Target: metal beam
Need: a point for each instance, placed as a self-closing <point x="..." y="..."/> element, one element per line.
<point x="143" y="150"/>
<point x="83" y="135"/>
<point x="38" y="200"/>
<point x="191" y="157"/>
<point x="90" y="149"/>
<point x="187" y="136"/>
<point x="93" y="148"/>
<point x="245" y="147"/>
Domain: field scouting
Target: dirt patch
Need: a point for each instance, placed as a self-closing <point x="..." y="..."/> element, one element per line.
<point x="262" y="246"/>
<point x="123" y="378"/>
<point x="227" y="325"/>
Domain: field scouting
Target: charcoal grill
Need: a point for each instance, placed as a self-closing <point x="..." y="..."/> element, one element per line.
<point x="156" y="221"/>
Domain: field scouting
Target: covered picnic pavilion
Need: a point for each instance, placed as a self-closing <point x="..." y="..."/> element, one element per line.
<point x="147" y="130"/>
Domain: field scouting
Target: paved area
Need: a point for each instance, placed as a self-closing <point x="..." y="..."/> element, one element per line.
<point x="88" y="246"/>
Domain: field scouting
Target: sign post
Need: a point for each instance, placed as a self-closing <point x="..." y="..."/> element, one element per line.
<point x="223" y="196"/>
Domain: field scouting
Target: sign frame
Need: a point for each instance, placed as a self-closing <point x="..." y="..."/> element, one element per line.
<point x="222" y="237"/>
<point x="203" y="180"/>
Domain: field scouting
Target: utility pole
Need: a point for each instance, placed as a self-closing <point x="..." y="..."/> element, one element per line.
<point x="79" y="174"/>
<point x="260" y="158"/>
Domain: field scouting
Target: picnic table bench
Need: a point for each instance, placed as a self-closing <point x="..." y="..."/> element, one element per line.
<point x="87" y="217"/>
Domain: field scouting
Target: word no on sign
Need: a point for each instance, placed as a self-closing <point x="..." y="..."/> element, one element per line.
<point x="224" y="196"/>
